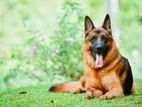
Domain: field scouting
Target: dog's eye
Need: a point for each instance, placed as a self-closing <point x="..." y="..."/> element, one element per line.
<point x="104" y="38"/>
<point x="92" y="38"/>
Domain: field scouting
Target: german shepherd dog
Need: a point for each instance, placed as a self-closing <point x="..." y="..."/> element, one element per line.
<point x="107" y="74"/>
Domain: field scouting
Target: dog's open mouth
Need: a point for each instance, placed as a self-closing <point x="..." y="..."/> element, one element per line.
<point x="99" y="56"/>
<point x="99" y="61"/>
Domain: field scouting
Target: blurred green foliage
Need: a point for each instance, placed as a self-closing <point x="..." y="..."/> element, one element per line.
<point x="40" y="46"/>
<point x="43" y="58"/>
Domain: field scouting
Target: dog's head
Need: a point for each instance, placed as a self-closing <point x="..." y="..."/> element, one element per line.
<point x="98" y="40"/>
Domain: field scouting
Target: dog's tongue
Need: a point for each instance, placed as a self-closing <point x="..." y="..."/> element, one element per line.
<point x="99" y="61"/>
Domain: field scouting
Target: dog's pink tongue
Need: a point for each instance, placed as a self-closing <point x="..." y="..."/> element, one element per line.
<point x="99" y="61"/>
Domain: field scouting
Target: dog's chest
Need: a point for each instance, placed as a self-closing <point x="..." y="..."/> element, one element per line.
<point x="101" y="80"/>
<point x="108" y="80"/>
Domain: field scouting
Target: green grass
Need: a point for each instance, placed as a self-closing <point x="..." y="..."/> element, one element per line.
<point x="38" y="96"/>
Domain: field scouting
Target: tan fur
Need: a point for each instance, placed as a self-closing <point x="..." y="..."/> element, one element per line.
<point x="106" y="78"/>
<point x="71" y="87"/>
<point x="106" y="82"/>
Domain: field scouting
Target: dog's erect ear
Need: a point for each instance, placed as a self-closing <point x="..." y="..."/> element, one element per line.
<point x="107" y="23"/>
<point x="88" y="24"/>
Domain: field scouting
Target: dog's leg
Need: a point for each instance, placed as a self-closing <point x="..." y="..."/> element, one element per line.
<point x="117" y="91"/>
<point x="91" y="93"/>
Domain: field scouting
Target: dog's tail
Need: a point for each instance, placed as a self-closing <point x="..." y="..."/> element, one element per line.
<point x="69" y="87"/>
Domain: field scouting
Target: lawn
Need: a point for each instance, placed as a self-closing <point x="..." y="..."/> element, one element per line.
<point x="41" y="42"/>
<point x="38" y="96"/>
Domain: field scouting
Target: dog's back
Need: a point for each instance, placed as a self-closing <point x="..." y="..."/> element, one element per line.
<point x="128" y="83"/>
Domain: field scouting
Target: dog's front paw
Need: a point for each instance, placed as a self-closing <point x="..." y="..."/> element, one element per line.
<point x="106" y="96"/>
<point x="89" y="94"/>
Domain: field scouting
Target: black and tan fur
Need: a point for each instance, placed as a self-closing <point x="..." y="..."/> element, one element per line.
<point x="107" y="74"/>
